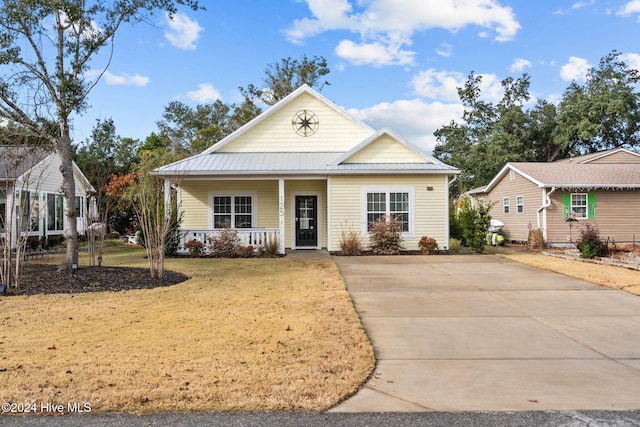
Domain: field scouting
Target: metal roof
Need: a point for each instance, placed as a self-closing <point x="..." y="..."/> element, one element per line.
<point x="298" y="163"/>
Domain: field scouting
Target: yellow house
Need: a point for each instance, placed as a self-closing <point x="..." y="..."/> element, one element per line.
<point x="305" y="172"/>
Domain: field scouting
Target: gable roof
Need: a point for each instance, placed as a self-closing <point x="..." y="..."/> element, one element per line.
<point x="16" y="160"/>
<point x="248" y="159"/>
<point x="586" y="158"/>
<point x="420" y="155"/>
<point x="574" y="175"/>
<point x="304" y="89"/>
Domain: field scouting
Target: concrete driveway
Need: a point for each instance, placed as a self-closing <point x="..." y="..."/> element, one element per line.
<point x="481" y="333"/>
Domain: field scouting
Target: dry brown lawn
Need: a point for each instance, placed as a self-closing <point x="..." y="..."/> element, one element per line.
<point x="244" y="334"/>
<point x="605" y="275"/>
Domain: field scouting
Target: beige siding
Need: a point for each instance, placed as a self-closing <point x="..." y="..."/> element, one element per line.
<point x="335" y="133"/>
<point x="516" y="225"/>
<point x="385" y="150"/>
<point x="619" y="157"/>
<point x="616" y="217"/>
<point x="431" y="206"/>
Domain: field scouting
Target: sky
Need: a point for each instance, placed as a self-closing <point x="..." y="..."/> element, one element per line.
<point x="394" y="63"/>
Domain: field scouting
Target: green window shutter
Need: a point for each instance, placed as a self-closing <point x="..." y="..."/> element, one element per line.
<point x="566" y="206"/>
<point x="591" y="206"/>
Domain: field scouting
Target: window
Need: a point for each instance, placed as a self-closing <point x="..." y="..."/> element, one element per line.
<point x="27" y="213"/>
<point x="396" y="204"/>
<point x="55" y="212"/>
<point x="520" y="204"/>
<point x="506" y="205"/>
<point x="233" y="211"/>
<point x="579" y="206"/>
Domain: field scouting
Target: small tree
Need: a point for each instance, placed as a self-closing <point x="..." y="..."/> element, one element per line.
<point x="385" y="236"/>
<point x="591" y="244"/>
<point x="155" y="213"/>
<point x="475" y="223"/>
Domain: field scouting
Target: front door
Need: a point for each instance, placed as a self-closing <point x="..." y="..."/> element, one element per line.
<point x="306" y="221"/>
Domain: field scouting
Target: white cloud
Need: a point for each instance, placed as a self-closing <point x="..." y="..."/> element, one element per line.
<point x="632" y="60"/>
<point x="576" y="69"/>
<point x="386" y="26"/>
<point x="520" y="64"/>
<point x="205" y="93"/>
<point x="443" y="85"/>
<point x="122" y="79"/>
<point x="182" y="32"/>
<point x="376" y="54"/>
<point x="630" y="8"/>
<point x="445" y="50"/>
<point x="414" y="120"/>
<point x="438" y="84"/>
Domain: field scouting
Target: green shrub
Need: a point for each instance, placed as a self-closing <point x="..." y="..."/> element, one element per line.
<point x="385" y="236"/>
<point x="591" y="244"/>
<point x="474" y="223"/>
<point x="454" y="245"/>
<point x="428" y="245"/>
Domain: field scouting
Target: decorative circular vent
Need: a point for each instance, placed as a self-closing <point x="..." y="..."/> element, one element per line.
<point x="305" y="123"/>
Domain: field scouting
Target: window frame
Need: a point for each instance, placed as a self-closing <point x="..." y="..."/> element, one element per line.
<point x="506" y="205"/>
<point x="388" y="190"/>
<point x="520" y="204"/>
<point x="57" y="197"/>
<point x="233" y="195"/>
<point x="574" y="205"/>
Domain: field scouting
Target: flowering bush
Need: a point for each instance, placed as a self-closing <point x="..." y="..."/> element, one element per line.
<point x="428" y="245"/>
<point x="195" y="248"/>
<point x="225" y="244"/>
<point x="385" y="236"/>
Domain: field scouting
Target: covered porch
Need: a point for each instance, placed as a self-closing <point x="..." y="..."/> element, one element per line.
<point x="290" y="211"/>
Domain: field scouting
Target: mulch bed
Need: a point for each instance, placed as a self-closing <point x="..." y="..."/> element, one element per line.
<point x="46" y="279"/>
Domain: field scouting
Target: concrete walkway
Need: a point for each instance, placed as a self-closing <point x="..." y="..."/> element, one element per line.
<point x="481" y="333"/>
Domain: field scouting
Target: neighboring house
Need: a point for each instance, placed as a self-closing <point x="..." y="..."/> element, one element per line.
<point x="30" y="193"/>
<point x="558" y="198"/>
<point x="305" y="171"/>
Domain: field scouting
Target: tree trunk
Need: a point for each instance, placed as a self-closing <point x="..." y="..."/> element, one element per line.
<point x="69" y="191"/>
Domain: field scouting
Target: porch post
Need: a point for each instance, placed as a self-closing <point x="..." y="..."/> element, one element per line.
<point x="281" y="214"/>
<point x="167" y="196"/>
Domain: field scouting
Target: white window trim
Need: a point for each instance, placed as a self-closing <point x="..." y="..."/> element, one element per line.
<point x="388" y="189"/>
<point x="519" y="204"/>
<point x="506" y="202"/>
<point x="254" y="205"/>
<point x="586" y="206"/>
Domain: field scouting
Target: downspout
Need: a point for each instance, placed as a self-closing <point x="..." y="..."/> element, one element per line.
<point x="544" y="206"/>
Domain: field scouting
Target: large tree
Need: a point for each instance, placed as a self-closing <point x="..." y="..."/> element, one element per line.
<point x="490" y="134"/>
<point x="189" y="130"/>
<point x="604" y="112"/>
<point x="46" y="47"/>
<point x="285" y="76"/>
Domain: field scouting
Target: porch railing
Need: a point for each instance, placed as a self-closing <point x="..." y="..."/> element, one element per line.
<point x="255" y="237"/>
